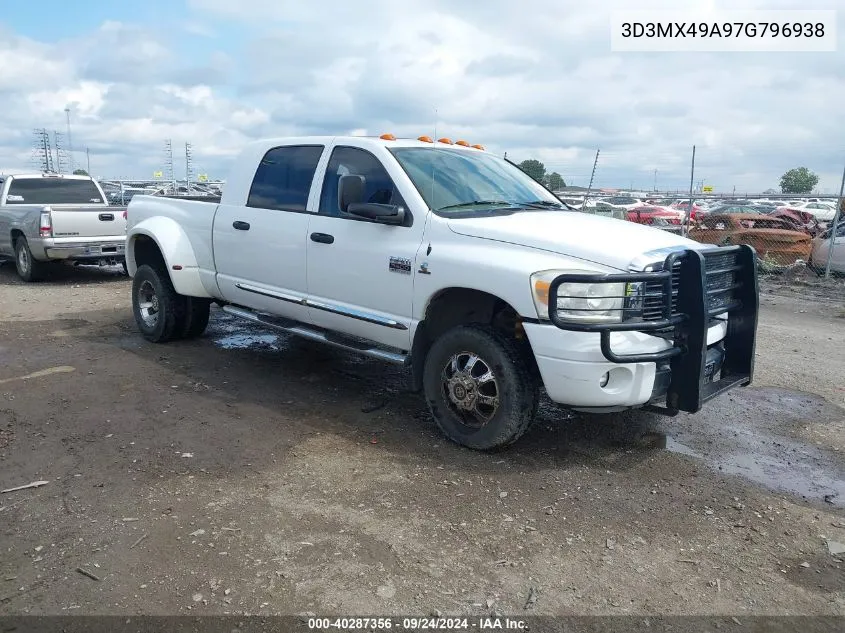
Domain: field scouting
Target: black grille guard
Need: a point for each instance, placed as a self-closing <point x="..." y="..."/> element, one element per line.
<point x="700" y="298"/>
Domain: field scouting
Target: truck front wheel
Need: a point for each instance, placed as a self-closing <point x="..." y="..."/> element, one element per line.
<point x="160" y="312"/>
<point x="479" y="387"/>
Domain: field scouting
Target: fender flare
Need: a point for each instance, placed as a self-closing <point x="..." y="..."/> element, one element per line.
<point x="175" y="247"/>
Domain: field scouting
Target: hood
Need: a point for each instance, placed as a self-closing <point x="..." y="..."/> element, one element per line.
<point x="601" y="240"/>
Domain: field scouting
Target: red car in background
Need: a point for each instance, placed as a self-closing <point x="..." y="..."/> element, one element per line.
<point x="658" y="217"/>
<point x="697" y="211"/>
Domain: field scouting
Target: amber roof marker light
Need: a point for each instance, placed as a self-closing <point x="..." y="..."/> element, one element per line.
<point x="445" y="141"/>
<point x="425" y="139"/>
<point x="462" y="143"/>
<point x="387" y="137"/>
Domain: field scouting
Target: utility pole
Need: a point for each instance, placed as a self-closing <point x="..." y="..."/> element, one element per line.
<point x="691" y="183"/>
<point x="655" y="180"/>
<point x="88" y="160"/>
<point x="69" y="142"/>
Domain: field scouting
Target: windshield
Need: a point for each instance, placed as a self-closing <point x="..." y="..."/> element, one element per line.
<point x="53" y="191"/>
<point x="457" y="182"/>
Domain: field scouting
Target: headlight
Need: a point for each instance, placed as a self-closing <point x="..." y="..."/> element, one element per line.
<point x="585" y="302"/>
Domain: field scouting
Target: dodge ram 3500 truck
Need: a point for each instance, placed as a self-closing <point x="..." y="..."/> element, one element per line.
<point x="451" y="261"/>
<point x="55" y="217"/>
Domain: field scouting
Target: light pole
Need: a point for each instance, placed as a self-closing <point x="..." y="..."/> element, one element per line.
<point x="69" y="139"/>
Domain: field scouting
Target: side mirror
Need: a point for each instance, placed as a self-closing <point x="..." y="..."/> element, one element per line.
<point x="382" y="213"/>
<point x="350" y="190"/>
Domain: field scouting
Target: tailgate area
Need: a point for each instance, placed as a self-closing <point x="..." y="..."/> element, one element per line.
<point x="79" y="223"/>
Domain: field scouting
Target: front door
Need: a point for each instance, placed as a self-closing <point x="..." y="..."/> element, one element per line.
<point x="361" y="273"/>
<point x="259" y="248"/>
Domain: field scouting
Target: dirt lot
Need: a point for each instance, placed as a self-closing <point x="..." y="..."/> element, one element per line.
<point x="248" y="473"/>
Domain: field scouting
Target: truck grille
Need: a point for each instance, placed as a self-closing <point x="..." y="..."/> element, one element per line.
<point x="721" y="270"/>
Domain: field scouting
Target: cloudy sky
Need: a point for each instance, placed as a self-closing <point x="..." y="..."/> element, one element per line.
<point x="533" y="78"/>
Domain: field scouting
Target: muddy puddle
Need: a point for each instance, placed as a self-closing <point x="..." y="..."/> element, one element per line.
<point x="763" y="434"/>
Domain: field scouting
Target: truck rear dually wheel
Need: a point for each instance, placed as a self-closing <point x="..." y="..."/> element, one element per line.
<point x="479" y="387"/>
<point x="197" y="312"/>
<point x="160" y="312"/>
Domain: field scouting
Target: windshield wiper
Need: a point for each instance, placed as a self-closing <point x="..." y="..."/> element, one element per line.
<point x="475" y="203"/>
<point x="546" y="204"/>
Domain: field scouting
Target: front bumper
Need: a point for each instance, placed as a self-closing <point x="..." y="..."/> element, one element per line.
<point x="701" y="345"/>
<point x="83" y="251"/>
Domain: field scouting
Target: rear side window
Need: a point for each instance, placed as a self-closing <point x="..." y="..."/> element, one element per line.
<point x="283" y="178"/>
<point x="53" y="191"/>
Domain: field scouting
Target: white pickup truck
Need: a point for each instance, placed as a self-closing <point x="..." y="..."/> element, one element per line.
<point x="55" y="217"/>
<point x="442" y="257"/>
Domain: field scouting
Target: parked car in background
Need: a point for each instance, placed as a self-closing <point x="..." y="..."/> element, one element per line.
<point x="658" y="217"/>
<point x="776" y="243"/>
<point x="822" y="246"/>
<point x="624" y="202"/>
<point x="799" y="220"/>
<point x="51" y="217"/>
<point x="682" y="206"/>
<point x="822" y="212"/>
<point x="602" y="208"/>
<point x="744" y="209"/>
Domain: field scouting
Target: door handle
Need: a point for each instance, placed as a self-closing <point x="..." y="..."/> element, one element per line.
<point x="241" y="226"/>
<point x="323" y="238"/>
<point x="106" y="217"/>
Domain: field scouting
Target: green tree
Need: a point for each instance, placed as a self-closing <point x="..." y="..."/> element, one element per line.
<point x="798" y="180"/>
<point x="533" y="168"/>
<point x="80" y="172"/>
<point x="555" y="181"/>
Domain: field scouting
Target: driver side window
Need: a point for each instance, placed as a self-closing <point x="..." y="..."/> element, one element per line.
<point x="378" y="186"/>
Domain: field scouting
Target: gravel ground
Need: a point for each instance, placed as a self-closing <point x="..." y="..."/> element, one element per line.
<point x="248" y="473"/>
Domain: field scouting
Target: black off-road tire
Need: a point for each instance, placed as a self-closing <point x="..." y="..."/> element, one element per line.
<point x="197" y="312"/>
<point x="28" y="268"/>
<point x="170" y="307"/>
<point x="518" y="389"/>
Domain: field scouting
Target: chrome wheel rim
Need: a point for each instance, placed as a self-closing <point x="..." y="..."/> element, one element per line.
<point x="470" y="389"/>
<point x="148" y="304"/>
<point x="23" y="259"/>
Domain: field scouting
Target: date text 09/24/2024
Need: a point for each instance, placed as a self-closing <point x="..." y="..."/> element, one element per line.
<point x="487" y="623"/>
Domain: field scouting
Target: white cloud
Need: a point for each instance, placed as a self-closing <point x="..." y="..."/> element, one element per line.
<point x="534" y="78"/>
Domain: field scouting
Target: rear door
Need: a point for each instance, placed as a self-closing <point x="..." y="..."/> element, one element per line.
<point x="259" y="248"/>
